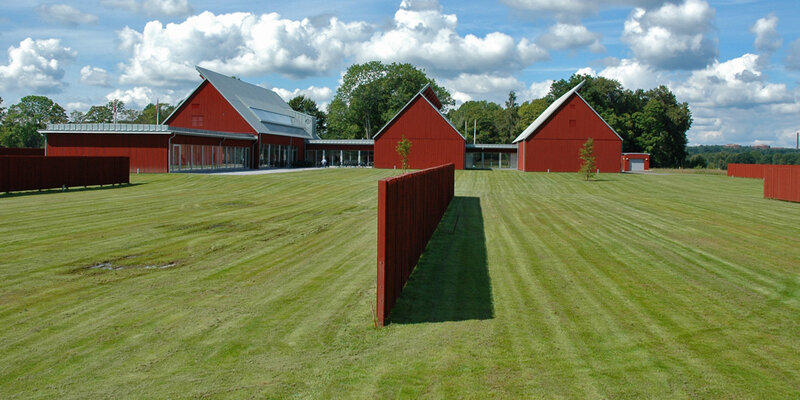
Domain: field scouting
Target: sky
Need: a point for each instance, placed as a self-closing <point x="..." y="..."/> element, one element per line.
<point x="735" y="62"/>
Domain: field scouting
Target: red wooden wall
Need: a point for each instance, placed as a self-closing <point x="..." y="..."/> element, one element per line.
<point x="206" y="109"/>
<point x="747" y="170"/>
<point x="147" y="153"/>
<point x="782" y="182"/>
<point x="433" y="140"/>
<point x="39" y="172"/>
<point x="410" y="207"/>
<point x="556" y="145"/>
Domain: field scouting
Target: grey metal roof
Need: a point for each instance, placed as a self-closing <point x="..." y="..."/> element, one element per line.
<point x="343" y="142"/>
<point x="492" y="146"/>
<point x="251" y="100"/>
<point x="107" y="128"/>
<point x="140" y="129"/>
<point x="421" y="93"/>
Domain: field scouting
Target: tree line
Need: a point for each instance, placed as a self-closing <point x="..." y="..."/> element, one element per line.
<point x="19" y="124"/>
<point x="720" y="156"/>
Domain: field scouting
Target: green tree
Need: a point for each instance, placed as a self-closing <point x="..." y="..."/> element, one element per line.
<point x="528" y="112"/>
<point x="148" y="114"/>
<point x="2" y="110"/>
<point x="478" y="117"/>
<point x="403" y="148"/>
<point x="105" y="113"/>
<point x="24" y="119"/>
<point x="36" y="110"/>
<point x="308" y="106"/>
<point x="588" y="165"/>
<point x="662" y="124"/>
<point x="507" y="123"/>
<point x="76" y="117"/>
<point x="371" y="94"/>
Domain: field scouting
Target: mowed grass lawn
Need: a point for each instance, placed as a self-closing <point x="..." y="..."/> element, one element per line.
<point x="535" y="286"/>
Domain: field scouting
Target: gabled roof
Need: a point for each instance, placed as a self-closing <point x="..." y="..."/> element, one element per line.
<point x="430" y="97"/>
<point x="553" y="109"/>
<point x="548" y="112"/>
<point x="263" y="109"/>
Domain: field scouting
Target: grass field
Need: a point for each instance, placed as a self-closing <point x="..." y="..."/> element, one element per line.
<point x="535" y="286"/>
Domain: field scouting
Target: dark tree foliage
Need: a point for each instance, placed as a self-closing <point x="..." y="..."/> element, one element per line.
<point x="371" y="94"/>
<point x="508" y="121"/>
<point x="24" y="119"/>
<point x="529" y="111"/>
<point x="305" y="105"/>
<point x="479" y="117"/>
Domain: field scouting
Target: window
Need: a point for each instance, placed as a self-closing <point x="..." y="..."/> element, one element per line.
<point x="573" y="123"/>
<point x="269" y="116"/>
<point x="197" y="120"/>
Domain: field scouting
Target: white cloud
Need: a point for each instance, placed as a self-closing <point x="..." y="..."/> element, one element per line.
<point x="466" y="87"/>
<point x="428" y="38"/>
<point x="36" y="65"/>
<point x="537" y="90"/>
<point x="154" y="8"/>
<point x="574" y="9"/>
<point x="731" y="101"/>
<point x="672" y="37"/>
<point x="632" y="74"/>
<point x="94" y="76"/>
<point x="241" y="44"/>
<point x="321" y="95"/>
<point x="766" y="31"/>
<point x="64" y="14"/>
<point x="793" y="55"/>
<point x="139" y="96"/>
<point x="738" y="82"/>
<point x="570" y="37"/>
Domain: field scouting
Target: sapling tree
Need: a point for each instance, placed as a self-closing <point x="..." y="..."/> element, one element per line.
<point x="588" y="165"/>
<point x="403" y="148"/>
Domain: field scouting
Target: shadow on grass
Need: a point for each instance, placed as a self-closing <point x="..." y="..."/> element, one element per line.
<point x="71" y="189"/>
<point x="451" y="280"/>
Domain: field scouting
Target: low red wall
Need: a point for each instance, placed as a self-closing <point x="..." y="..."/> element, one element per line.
<point x="11" y="151"/>
<point x="410" y="207"/>
<point x="31" y="173"/>
<point x="747" y="170"/>
<point x="782" y="182"/>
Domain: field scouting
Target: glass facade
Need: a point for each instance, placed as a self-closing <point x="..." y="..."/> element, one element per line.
<point x="277" y="156"/>
<point x="491" y="160"/>
<point x="341" y="158"/>
<point x="187" y="157"/>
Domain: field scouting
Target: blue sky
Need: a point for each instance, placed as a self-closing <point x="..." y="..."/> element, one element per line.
<point x="736" y="62"/>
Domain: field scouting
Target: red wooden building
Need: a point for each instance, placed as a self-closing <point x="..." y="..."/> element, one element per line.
<point x="553" y="141"/>
<point x="635" y="162"/>
<point x="223" y="123"/>
<point x="434" y="140"/>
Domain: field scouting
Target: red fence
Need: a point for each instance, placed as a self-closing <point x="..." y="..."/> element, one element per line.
<point x="782" y="182"/>
<point x="11" y="151"/>
<point x="31" y="173"/>
<point x="410" y="207"/>
<point x="747" y="170"/>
